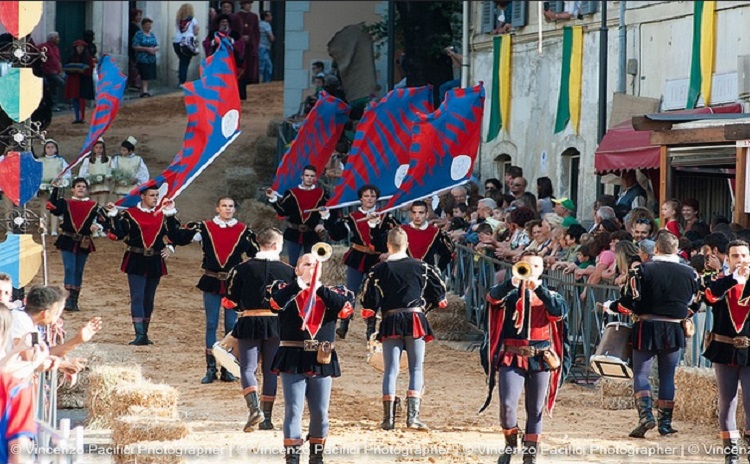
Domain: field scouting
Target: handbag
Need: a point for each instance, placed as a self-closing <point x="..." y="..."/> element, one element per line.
<point x="324" y="353"/>
<point x="551" y="359"/>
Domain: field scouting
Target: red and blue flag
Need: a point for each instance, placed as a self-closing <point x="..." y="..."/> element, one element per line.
<point x="443" y="147"/>
<point x="213" y="110"/>
<point x="315" y="141"/>
<point x="380" y="153"/>
<point x="109" y="92"/>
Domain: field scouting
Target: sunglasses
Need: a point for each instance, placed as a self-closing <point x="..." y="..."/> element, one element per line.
<point x="643" y="221"/>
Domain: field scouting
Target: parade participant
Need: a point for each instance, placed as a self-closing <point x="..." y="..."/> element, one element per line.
<point x="368" y="232"/>
<point x="727" y="344"/>
<point x="79" y="214"/>
<point x="257" y="327"/>
<point x="128" y="169"/>
<point x="527" y="325"/>
<point x="307" y="359"/>
<point x="224" y="241"/>
<point x="403" y="290"/>
<point x="305" y="229"/>
<point x="250" y="34"/>
<point x="658" y="292"/>
<point x="143" y="228"/>
<point x="426" y="240"/>
<point x="52" y="165"/>
<point x="97" y="171"/>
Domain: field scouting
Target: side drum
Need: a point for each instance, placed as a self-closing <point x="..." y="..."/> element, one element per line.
<point x="613" y="355"/>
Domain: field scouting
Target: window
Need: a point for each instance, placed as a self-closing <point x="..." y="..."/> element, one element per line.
<point x="502" y="163"/>
<point x="488" y="17"/>
<point x="571" y="174"/>
<point x="517" y="13"/>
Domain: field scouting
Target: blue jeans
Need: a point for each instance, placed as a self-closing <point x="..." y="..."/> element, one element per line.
<point x="392" y="348"/>
<point x="317" y="390"/>
<point x="142" y="294"/>
<point x="73" y="265"/>
<point x="212" y="305"/>
<point x="184" y="63"/>
<point x="266" y="66"/>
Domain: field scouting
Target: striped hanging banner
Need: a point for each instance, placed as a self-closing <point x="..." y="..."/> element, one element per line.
<point x="703" y="54"/>
<point x="501" y="85"/>
<point x="20" y="18"/>
<point x="569" y="101"/>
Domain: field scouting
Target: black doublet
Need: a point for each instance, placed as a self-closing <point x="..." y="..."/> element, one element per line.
<point x="720" y="294"/>
<point x="347" y="227"/>
<point x="65" y="242"/>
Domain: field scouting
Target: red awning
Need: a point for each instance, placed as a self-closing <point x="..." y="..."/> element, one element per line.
<point x="624" y="148"/>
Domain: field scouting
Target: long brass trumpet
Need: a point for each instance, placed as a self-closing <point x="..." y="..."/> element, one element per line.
<point x="322" y="251"/>
<point x="521" y="271"/>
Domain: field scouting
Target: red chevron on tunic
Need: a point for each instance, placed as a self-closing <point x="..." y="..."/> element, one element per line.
<point x="79" y="212"/>
<point x="224" y="239"/>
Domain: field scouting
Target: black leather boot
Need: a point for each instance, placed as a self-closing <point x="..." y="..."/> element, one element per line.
<point x="665" y="409"/>
<point x="69" y="302"/>
<point x="646" y="420"/>
<point x="343" y="328"/>
<point x="511" y="443"/>
<point x="389" y="415"/>
<point x="140" y="334"/>
<point x="529" y="452"/>
<point x="210" y="369"/>
<point x="227" y="376"/>
<point x="147" y="322"/>
<point x="316" y="450"/>
<point x="255" y="416"/>
<point x="732" y="451"/>
<point x="267" y="407"/>
<point x="74" y="294"/>
<point x="292" y="454"/>
<point x="412" y="414"/>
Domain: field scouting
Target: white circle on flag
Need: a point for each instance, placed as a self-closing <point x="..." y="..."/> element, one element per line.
<point x="460" y="167"/>
<point x="400" y="175"/>
<point x="163" y="190"/>
<point x="230" y="123"/>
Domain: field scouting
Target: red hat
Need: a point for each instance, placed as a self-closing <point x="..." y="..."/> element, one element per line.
<point x="80" y="42"/>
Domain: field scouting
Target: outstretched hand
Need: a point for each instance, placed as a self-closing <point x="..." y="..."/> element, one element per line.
<point x="89" y="329"/>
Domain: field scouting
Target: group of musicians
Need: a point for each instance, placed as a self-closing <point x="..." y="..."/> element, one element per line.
<point x="285" y="318"/>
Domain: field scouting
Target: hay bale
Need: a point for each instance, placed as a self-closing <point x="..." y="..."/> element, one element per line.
<point x="615" y="387"/>
<point x="272" y="129"/>
<point x="696" y="399"/>
<point x="241" y="183"/>
<point x="264" y="158"/>
<point x="334" y="270"/>
<point x="144" y="394"/>
<point x="616" y="403"/>
<point x="73" y="397"/>
<point x="143" y="411"/>
<point x="148" y="458"/>
<point x="102" y="382"/>
<point x="450" y="322"/>
<point x="134" y="429"/>
<point x="258" y="215"/>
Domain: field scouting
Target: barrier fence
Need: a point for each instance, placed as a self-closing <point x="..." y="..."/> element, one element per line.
<point x="472" y="274"/>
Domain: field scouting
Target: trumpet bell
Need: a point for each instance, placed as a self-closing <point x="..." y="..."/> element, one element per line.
<point x="521" y="271"/>
<point x="322" y="251"/>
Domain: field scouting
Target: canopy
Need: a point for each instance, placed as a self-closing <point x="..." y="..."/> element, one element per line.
<point x="624" y="148"/>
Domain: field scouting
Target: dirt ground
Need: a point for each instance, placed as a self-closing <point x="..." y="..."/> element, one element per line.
<point x="579" y="431"/>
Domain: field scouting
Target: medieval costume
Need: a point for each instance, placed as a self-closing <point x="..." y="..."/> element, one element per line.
<point x="300" y="236"/>
<point x="427" y="241"/>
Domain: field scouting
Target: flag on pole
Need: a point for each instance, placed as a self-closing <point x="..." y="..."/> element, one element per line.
<point x="501" y="86"/>
<point x="315" y="141"/>
<point x="703" y="54"/>
<point x="569" y="100"/>
<point x="443" y="148"/>
<point x="380" y="152"/>
<point x="213" y="110"/>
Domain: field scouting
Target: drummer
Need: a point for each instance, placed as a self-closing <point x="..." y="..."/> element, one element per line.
<point x="658" y="293"/>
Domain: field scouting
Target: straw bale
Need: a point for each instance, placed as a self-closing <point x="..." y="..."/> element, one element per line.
<point x="147" y="459"/>
<point x="134" y="429"/>
<point x="264" y="158"/>
<point x="144" y="394"/>
<point x="614" y="387"/>
<point x="241" y="183"/>
<point x="144" y="411"/>
<point x="615" y="403"/>
<point x="450" y="323"/>
<point x="334" y="270"/>
<point x="102" y="382"/>
<point x="696" y="399"/>
<point x="74" y="397"/>
<point x="258" y="215"/>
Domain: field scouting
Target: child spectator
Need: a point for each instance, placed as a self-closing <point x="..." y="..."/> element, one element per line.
<point x="670" y="209"/>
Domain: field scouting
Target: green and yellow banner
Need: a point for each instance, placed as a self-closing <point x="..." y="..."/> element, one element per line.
<point x="703" y="55"/>
<point x="569" y="101"/>
<point x="500" y="101"/>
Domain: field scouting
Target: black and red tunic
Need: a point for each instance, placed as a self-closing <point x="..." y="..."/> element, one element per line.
<point x="398" y="283"/>
<point x="425" y="243"/>
<point x="730" y="305"/>
<point x="363" y="235"/>
<point x="78" y="217"/>
<point x="293" y="205"/>
<point x="223" y="244"/>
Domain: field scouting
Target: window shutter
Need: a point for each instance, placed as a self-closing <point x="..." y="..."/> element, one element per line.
<point x="488" y="17"/>
<point x="520" y="13"/>
<point x="589" y="7"/>
<point x="556" y="7"/>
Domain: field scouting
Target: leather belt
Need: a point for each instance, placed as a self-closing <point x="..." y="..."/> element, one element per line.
<point x="300" y="227"/>
<point x="307" y="345"/>
<point x="526" y="351"/>
<point x="740" y="343"/>
<point x="257" y="313"/>
<point x="141" y="251"/>
<point x="216" y="275"/>
<point x="364" y="249"/>
<point x="655" y="318"/>
<point x="75" y="237"/>
<point x="403" y="310"/>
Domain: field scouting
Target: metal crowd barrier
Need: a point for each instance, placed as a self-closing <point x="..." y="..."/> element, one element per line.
<point x="472" y="274"/>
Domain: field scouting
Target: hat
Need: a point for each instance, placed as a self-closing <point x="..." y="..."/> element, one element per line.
<point x="100" y="140"/>
<point x="130" y="143"/>
<point x="80" y="42"/>
<point x="566" y="202"/>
